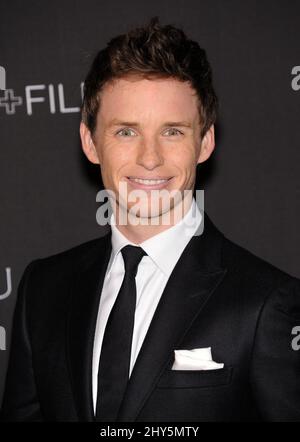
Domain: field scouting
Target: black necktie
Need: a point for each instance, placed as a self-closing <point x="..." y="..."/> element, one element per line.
<point x="114" y="363"/>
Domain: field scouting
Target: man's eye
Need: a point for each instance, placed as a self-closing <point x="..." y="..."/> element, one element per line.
<point x="174" y="131"/>
<point x="125" y="132"/>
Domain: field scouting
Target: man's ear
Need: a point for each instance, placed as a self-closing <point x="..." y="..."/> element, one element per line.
<point x="87" y="143"/>
<point x="207" y="145"/>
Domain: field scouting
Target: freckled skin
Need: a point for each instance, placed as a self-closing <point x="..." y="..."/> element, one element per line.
<point x="151" y="148"/>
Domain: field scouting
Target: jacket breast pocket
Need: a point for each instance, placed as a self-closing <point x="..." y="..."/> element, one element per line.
<point x="195" y="378"/>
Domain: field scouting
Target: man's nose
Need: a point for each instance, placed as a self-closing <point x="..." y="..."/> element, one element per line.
<point x="149" y="154"/>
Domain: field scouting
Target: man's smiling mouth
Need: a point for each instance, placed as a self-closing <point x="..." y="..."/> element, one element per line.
<point x="148" y="180"/>
<point x="148" y="183"/>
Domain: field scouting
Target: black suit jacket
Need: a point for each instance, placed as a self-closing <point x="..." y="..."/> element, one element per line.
<point x="219" y="295"/>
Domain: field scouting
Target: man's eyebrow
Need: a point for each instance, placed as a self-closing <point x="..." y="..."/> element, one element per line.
<point x="116" y="122"/>
<point x="178" y="123"/>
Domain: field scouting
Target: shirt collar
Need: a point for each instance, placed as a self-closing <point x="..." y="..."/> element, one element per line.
<point x="164" y="248"/>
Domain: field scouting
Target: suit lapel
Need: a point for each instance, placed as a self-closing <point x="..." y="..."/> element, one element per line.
<point x="195" y="277"/>
<point x="85" y="295"/>
<point x="193" y="280"/>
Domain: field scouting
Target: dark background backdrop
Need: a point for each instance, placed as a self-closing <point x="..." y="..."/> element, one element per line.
<point x="48" y="189"/>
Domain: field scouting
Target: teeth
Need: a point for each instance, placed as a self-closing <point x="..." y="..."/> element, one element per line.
<point x="139" y="180"/>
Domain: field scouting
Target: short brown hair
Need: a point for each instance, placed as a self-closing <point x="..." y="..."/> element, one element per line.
<point x="151" y="51"/>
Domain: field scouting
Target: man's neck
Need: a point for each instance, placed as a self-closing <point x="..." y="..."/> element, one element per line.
<point x="137" y="232"/>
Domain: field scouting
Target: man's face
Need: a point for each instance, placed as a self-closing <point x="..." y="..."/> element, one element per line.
<point x="148" y="130"/>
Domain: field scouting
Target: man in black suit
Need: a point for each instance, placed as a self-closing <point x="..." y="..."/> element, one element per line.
<point x="153" y="321"/>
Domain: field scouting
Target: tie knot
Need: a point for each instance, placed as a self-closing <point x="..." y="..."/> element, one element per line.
<point x="132" y="256"/>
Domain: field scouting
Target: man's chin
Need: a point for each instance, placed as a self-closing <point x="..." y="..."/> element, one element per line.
<point x="155" y="211"/>
<point x="146" y="216"/>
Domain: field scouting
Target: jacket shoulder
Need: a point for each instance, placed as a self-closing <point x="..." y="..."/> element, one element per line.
<point x="252" y="271"/>
<point x="53" y="273"/>
<point x="72" y="256"/>
<point x="46" y="282"/>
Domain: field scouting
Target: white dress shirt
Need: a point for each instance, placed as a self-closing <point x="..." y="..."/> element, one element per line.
<point x="163" y="251"/>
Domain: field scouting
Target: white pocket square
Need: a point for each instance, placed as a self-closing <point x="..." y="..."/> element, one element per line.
<point x="196" y="359"/>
